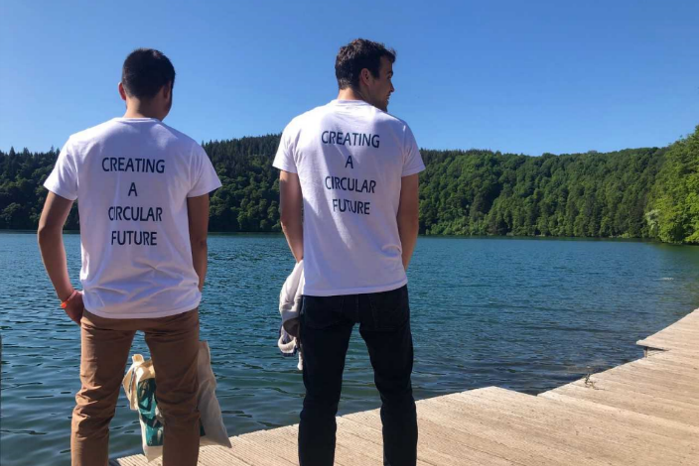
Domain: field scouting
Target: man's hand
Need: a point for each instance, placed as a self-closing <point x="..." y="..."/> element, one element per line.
<point x="75" y="308"/>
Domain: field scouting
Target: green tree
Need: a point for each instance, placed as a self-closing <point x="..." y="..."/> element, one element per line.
<point x="678" y="193"/>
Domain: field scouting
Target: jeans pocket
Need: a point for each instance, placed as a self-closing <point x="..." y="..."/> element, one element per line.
<point x="389" y="310"/>
<point x="320" y="312"/>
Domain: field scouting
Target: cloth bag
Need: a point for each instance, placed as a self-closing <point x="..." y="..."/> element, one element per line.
<point x="139" y="386"/>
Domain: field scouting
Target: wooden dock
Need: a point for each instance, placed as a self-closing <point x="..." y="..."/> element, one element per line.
<point x="644" y="413"/>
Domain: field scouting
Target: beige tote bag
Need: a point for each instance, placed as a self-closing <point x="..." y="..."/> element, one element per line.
<point x="139" y="386"/>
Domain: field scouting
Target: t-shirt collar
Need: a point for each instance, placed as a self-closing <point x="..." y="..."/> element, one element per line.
<point x="136" y="120"/>
<point x="348" y="102"/>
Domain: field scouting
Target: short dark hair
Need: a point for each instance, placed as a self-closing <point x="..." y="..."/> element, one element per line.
<point x="357" y="55"/>
<point x="145" y="72"/>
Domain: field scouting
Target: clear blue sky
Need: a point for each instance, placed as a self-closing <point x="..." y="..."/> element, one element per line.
<point x="515" y="76"/>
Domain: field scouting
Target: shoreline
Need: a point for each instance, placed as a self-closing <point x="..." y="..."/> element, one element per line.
<point x="617" y="239"/>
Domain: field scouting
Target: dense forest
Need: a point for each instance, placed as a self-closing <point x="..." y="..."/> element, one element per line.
<point x="634" y="193"/>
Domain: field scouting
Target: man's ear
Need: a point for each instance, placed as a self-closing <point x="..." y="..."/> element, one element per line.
<point x="365" y="76"/>
<point x="122" y="92"/>
<point x="167" y="91"/>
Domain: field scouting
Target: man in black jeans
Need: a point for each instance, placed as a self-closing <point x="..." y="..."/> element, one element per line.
<point x="349" y="210"/>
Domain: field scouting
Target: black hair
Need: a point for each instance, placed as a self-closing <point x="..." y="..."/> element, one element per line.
<point x="357" y="55"/>
<point x="145" y="72"/>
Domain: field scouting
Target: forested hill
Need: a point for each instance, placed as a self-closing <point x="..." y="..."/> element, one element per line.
<point x="635" y="193"/>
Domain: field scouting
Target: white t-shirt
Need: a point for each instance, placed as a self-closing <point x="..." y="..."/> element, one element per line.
<point x="350" y="158"/>
<point x="132" y="178"/>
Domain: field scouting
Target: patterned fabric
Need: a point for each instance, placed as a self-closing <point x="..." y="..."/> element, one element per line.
<point x="150" y="414"/>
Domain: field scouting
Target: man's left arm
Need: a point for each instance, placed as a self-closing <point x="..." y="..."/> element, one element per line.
<point x="408" y="223"/>
<point x="198" y="211"/>
<point x="50" y="237"/>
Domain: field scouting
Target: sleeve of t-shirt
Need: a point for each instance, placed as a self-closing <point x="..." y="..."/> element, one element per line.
<point x="63" y="180"/>
<point x="205" y="177"/>
<point x="412" y="160"/>
<point x="284" y="160"/>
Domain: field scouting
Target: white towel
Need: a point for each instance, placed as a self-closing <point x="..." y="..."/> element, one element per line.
<point x="290" y="309"/>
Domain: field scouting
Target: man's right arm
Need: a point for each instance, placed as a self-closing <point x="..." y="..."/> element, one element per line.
<point x="291" y="206"/>
<point x="53" y="253"/>
<point x="407" y="217"/>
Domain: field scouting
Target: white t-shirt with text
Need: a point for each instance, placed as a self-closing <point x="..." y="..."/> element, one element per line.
<point x="132" y="178"/>
<point x="350" y="158"/>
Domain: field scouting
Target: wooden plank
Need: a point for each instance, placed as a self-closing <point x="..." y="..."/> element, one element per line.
<point x="593" y="437"/>
<point x="632" y="385"/>
<point x="284" y="441"/>
<point x="464" y="434"/>
<point x="647" y="368"/>
<point x="638" y="403"/>
<point x="675" y="359"/>
<point x="640" y="378"/>
<point x="522" y="435"/>
<point x="218" y="456"/>
<point x="599" y="427"/>
<point x="209" y="455"/>
<point x="136" y="460"/>
<point x="258" y="455"/>
<point x="684" y="369"/>
<point x="680" y="336"/>
<point x="670" y="429"/>
<point x="670" y="342"/>
<point x="670" y="376"/>
<point x="279" y="442"/>
<point x="433" y="449"/>
<point x="673" y="338"/>
<point x="685" y="331"/>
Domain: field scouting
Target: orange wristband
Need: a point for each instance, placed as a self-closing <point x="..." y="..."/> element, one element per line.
<point x="64" y="304"/>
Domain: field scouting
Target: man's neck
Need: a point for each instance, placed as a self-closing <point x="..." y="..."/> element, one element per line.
<point x="349" y="94"/>
<point x="139" y="110"/>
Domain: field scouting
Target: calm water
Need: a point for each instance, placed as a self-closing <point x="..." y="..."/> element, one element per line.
<point x="528" y="315"/>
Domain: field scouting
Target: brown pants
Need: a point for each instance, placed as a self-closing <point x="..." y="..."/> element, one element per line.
<point x="174" y="343"/>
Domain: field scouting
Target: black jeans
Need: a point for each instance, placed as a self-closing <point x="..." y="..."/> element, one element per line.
<point x="326" y="326"/>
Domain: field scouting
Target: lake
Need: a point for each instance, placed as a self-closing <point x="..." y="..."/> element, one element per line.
<point x="524" y="314"/>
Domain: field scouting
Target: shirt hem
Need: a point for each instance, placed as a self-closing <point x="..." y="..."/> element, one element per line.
<point x="201" y="192"/>
<point x="284" y="167"/>
<point x="60" y="192"/>
<point x="151" y="315"/>
<point x="413" y="171"/>
<point x="350" y="291"/>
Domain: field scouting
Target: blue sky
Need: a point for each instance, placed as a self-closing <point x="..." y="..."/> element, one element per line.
<point x="516" y="76"/>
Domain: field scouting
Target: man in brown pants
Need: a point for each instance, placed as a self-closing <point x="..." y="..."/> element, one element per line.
<point x="143" y="191"/>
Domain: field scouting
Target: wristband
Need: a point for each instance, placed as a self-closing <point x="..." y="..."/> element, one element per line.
<point x="64" y="304"/>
